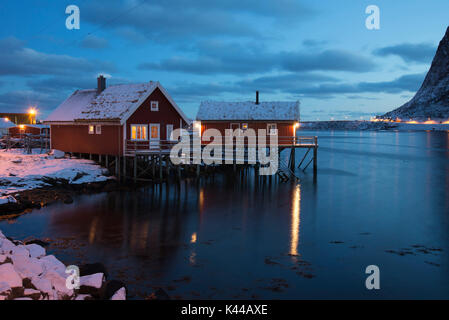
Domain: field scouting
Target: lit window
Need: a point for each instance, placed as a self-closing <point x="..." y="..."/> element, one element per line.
<point x="154" y="132"/>
<point x="98" y="129"/>
<point x="139" y="132"/>
<point x="244" y="126"/>
<point x="272" y="129"/>
<point x="154" y="106"/>
<point x="91" y="129"/>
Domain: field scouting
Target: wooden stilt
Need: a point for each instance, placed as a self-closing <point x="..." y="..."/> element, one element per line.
<point x="160" y="167"/>
<point x="124" y="168"/>
<point x="135" y="168"/>
<point x="292" y="159"/>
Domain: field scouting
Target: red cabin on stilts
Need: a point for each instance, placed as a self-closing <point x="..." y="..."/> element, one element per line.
<point x="115" y="120"/>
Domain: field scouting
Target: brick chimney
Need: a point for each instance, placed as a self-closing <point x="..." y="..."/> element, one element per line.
<point x="257" y="97"/>
<point x="101" y="84"/>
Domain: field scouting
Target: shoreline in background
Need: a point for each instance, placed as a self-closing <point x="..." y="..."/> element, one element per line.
<point x="371" y="125"/>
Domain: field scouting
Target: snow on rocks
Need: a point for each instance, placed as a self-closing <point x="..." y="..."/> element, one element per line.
<point x="58" y="154"/>
<point x="35" y="250"/>
<point x="93" y="280"/>
<point x="5" y="288"/>
<point x="20" y="171"/>
<point x="7" y="199"/>
<point x="9" y="275"/>
<point x="27" y="273"/>
<point x="119" y="295"/>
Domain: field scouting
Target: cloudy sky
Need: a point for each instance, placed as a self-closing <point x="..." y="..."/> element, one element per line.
<point x="315" y="51"/>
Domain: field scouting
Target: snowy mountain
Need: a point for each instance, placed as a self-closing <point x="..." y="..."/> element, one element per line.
<point x="432" y="99"/>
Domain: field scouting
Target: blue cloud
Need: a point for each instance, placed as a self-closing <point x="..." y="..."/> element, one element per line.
<point x="417" y="53"/>
<point x="17" y="59"/>
<point x="237" y="58"/>
<point x="94" y="42"/>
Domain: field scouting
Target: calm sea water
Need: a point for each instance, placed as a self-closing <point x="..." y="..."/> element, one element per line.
<point x="380" y="198"/>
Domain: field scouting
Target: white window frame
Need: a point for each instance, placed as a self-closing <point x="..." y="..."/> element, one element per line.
<point x="156" y="108"/>
<point x="89" y="127"/>
<point x="169" y="135"/>
<point x="98" y="129"/>
<point x="138" y="125"/>
<point x="272" y="133"/>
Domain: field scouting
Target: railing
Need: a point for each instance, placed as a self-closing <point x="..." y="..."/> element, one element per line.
<point x="133" y="147"/>
<point x="147" y="146"/>
<point x="27" y="141"/>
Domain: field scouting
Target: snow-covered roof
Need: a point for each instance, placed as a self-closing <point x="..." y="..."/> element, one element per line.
<point x="38" y="125"/>
<point x="276" y="110"/>
<point x="71" y="108"/>
<point x="6" y="123"/>
<point x="116" y="102"/>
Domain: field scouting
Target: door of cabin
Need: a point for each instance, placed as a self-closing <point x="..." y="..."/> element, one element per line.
<point x="155" y="135"/>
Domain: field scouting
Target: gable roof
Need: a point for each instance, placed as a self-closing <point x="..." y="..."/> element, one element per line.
<point x="280" y="110"/>
<point x="6" y="123"/>
<point x="70" y="109"/>
<point x="115" y="103"/>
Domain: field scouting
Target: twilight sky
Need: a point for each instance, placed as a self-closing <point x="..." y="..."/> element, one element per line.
<point x="318" y="52"/>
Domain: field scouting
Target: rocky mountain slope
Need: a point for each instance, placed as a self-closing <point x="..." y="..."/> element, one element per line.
<point x="432" y="99"/>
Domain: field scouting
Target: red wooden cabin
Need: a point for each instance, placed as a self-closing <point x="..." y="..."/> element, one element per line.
<point x="281" y="118"/>
<point x="115" y="120"/>
<point x="31" y="129"/>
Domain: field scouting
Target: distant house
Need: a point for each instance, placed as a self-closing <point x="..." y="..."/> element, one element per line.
<point x="19" y="118"/>
<point x="5" y="124"/>
<point x="31" y="129"/>
<point x="281" y="118"/>
<point x="113" y="120"/>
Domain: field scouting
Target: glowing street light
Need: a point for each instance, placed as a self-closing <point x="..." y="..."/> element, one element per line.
<point x="32" y="112"/>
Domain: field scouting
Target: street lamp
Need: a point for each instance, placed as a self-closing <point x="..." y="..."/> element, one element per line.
<point x="32" y="112"/>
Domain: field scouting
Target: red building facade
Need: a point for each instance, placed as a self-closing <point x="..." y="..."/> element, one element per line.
<point x="115" y="120"/>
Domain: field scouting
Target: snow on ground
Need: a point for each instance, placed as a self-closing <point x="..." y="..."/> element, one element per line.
<point x="20" y="171"/>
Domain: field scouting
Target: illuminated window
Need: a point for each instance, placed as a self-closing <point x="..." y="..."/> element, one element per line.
<point x="244" y="126"/>
<point x="98" y="129"/>
<point x="91" y="129"/>
<point x="272" y="129"/>
<point x="154" y="105"/>
<point x="154" y="132"/>
<point x="139" y="132"/>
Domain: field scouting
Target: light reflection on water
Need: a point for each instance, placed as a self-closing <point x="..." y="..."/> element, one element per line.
<point x="377" y="195"/>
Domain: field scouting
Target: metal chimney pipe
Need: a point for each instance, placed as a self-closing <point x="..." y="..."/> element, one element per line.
<point x="257" y="97"/>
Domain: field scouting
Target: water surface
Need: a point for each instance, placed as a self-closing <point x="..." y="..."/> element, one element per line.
<point x="380" y="198"/>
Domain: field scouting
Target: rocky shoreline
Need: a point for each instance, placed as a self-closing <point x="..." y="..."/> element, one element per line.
<point x="27" y="200"/>
<point x="27" y="273"/>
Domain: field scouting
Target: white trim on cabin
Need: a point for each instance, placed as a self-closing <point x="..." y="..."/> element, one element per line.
<point x="139" y="125"/>
<point x="272" y="133"/>
<point x="168" y="135"/>
<point x="154" y="142"/>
